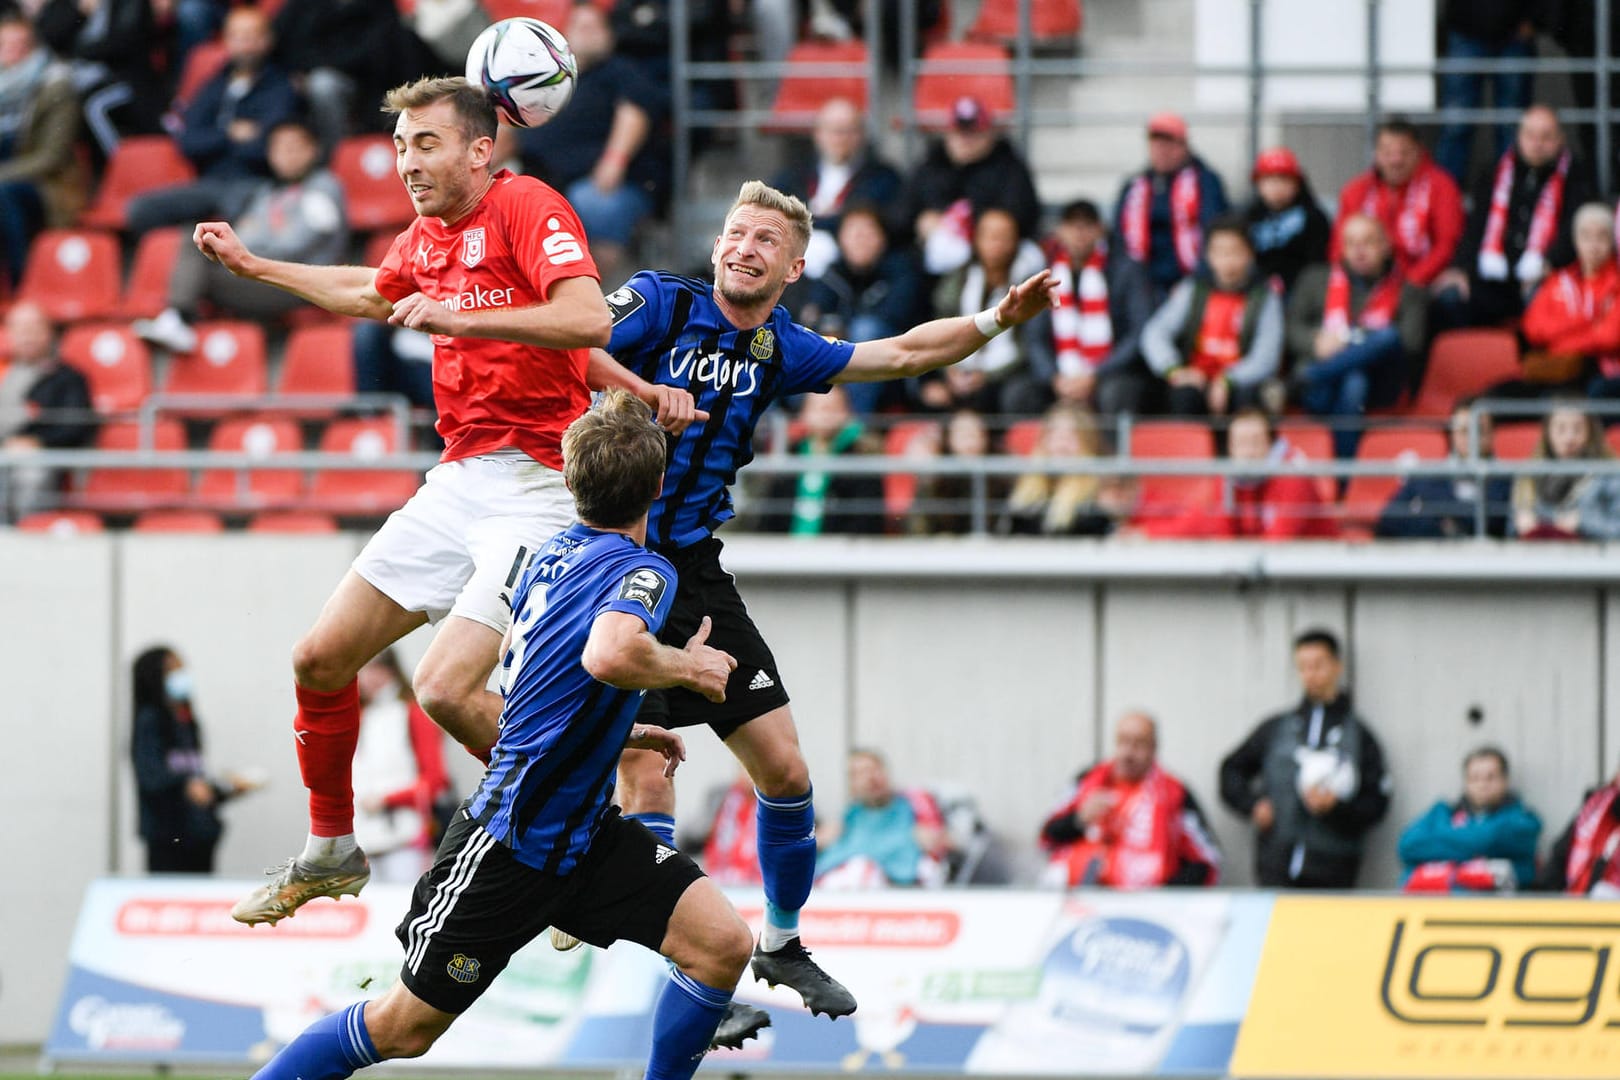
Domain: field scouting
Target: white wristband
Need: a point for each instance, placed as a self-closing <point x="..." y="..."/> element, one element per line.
<point x="986" y="323"/>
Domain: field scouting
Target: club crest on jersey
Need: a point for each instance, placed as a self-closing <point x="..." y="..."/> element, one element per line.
<point x="763" y="345"/>
<point x="645" y="587"/>
<point x="472" y="247"/>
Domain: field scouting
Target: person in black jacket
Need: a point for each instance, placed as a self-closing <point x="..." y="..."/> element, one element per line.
<point x="1311" y="779"/>
<point x="1442" y="507"/>
<point x="178" y="803"/>
<point x="109" y="45"/>
<point x="1286" y="223"/>
<point x="841" y="174"/>
<point x="44" y="405"/>
<point x="974" y="165"/>
<point x="1489" y="30"/>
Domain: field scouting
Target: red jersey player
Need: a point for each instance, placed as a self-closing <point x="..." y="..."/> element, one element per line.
<point x="496" y="269"/>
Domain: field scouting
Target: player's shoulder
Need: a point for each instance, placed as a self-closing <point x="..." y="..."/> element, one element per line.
<point x="639" y="576"/>
<point x="513" y="193"/>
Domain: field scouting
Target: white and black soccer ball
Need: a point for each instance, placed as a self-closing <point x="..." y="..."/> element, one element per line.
<point x="527" y="67"/>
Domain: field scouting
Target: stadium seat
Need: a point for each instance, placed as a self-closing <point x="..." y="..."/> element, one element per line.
<point x="1164" y="496"/>
<point x="259" y="437"/>
<point x="115" y="362"/>
<point x="178" y="521"/>
<point x="72" y="274"/>
<point x="318" y="360"/>
<point x="554" y="12"/>
<point x="900" y="489"/>
<point x="203" y="62"/>
<point x="1463" y="364"/>
<point x="1612" y="435"/>
<point x="136" y="489"/>
<point x="61" y="523"/>
<point x="801" y="94"/>
<point x="1022" y="438"/>
<point x="229" y="360"/>
<point x="1366" y="496"/>
<point x="1315" y="441"/>
<point x="141" y="163"/>
<point x="377" y="247"/>
<point x="374" y="197"/>
<point x="292" y="521"/>
<point x="1050" y="21"/>
<point x="1517" y="441"/>
<point x="991" y="81"/>
<point x="356" y="492"/>
<point x="147" y="291"/>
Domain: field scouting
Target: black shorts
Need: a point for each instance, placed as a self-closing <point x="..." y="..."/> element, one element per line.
<point x="704" y="588"/>
<point x="478" y="905"/>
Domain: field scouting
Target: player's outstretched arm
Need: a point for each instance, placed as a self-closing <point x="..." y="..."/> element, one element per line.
<point x="672" y="407"/>
<point x="345" y="290"/>
<point x="622" y="653"/>
<point x="943" y="342"/>
<point x="574" y="316"/>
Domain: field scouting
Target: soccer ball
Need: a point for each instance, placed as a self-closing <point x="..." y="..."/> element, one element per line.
<point x="527" y="67"/>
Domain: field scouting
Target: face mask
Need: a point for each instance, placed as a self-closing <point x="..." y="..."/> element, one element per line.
<point x="177" y="684"/>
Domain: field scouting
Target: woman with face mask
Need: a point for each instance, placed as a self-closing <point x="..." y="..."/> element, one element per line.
<point x="179" y="803"/>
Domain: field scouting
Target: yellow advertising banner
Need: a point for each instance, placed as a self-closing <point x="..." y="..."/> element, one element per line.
<point x="1397" y="987"/>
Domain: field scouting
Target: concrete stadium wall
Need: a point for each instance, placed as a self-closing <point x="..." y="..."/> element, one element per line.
<point x="995" y="668"/>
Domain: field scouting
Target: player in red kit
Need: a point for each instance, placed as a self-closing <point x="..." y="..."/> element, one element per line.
<point x="496" y="269"/>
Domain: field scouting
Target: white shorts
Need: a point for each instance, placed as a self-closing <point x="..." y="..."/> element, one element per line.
<point x="458" y="546"/>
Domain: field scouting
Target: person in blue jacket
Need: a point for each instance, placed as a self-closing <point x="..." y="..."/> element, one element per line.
<point x="1483" y="842"/>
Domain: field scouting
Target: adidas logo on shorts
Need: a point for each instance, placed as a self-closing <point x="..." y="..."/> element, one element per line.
<point x="663" y="853"/>
<point x="761" y="681"/>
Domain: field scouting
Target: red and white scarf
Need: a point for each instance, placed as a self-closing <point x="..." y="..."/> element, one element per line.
<point x="1412" y="220"/>
<point x="1377" y="313"/>
<point x="1136" y="217"/>
<point x="1493" y="265"/>
<point x="1081" y="328"/>
<point x="1138" y="842"/>
<point x="1597" y="836"/>
<point x="1218" y="343"/>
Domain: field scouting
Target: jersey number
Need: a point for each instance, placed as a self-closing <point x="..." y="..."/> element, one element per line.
<point x="562" y="248"/>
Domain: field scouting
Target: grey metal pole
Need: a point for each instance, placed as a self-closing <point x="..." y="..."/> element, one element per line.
<point x="681" y="118"/>
<point x="908" y="80"/>
<point x="1605" y="152"/>
<point x="1024" y="79"/>
<point x="1256" y="76"/>
<point x="1374" y="89"/>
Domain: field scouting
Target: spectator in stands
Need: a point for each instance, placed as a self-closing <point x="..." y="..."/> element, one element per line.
<point x="44" y="405"/>
<point x="1218" y="338"/>
<point x="1311" y="779"/>
<point x="1264" y="505"/>
<point x="608" y="151"/>
<point x="1104" y="300"/>
<point x="1582" y="860"/>
<point x="1472" y="30"/>
<point x="108" y="44"/>
<point x="870" y="291"/>
<point x="1128" y="823"/>
<point x="1162" y="211"/>
<point x="1519" y="230"/>
<point x="1416" y="200"/>
<point x="399" y="774"/>
<point x="970" y="170"/>
<point x="296" y="215"/>
<point x="841" y="173"/>
<point x="643" y="30"/>
<point x="1286" y="223"/>
<point x="1011" y="373"/>
<point x="1572" y="325"/>
<point x="1445" y="507"/>
<point x="731" y="848"/>
<point x="1066" y="504"/>
<point x="1565" y="507"/>
<point x="886" y="837"/>
<point x="814" y="502"/>
<point x="41" y="182"/>
<point x="177" y="799"/>
<point x="1356" y="329"/>
<point x="225" y="131"/>
<point x="943" y="503"/>
<point x="1483" y="842"/>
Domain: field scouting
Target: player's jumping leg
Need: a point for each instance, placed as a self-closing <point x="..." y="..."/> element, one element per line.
<point x="452" y="679"/>
<point x="707" y="944"/>
<point x="397" y="1025"/>
<point x="356" y="624"/>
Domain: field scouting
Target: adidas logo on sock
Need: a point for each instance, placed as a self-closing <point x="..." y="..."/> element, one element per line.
<point x="663" y="853"/>
<point x="761" y="681"/>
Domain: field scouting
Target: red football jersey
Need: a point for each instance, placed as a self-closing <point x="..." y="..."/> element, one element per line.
<point x="520" y="240"/>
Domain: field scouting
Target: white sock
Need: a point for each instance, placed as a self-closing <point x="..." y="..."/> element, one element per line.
<point x="772" y="938"/>
<point x="327" y="850"/>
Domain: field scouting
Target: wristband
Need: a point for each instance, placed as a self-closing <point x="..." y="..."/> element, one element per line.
<point x="988" y="323"/>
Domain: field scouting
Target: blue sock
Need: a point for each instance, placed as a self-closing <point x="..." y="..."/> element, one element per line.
<point x="684" y="1021"/>
<point x="787" y="862"/>
<point x="661" y="825"/>
<point x="331" y="1048"/>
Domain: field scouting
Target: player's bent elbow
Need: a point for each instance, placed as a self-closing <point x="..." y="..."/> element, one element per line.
<point x="604" y="662"/>
<point x="598" y="331"/>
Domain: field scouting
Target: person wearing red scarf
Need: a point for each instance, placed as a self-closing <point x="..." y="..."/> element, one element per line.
<point x="1582" y="861"/>
<point x="1128" y="823"/>
<point x="1162" y="211"/>
<point x="1416" y="200"/>
<point x="1576" y="312"/>
<point x="1519" y="230"/>
<point x="1354" y="329"/>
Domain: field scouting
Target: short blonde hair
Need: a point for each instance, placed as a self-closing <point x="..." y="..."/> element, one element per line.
<point x="613" y="460"/>
<point x="471" y="102"/>
<point x="1594" y="211"/>
<point x="759" y="193"/>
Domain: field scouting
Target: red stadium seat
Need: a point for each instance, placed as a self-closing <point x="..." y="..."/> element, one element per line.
<point x="1022" y="438"/>
<point x="1463" y="364"/>
<point x="377" y="247"/>
<point x="1516" y="441"/>
<point x="361" y="493"/>
<point x="801" y="94"/>
<point x="203" y="62"/>
<point x="141" y="163"/>
<point x="1366" y="496"/>
<point x="258" y="437"/>
<point x="375" y="198"/>
<point x="115" y="362"/>
<point x="1613" y="437"/>
<point x="229" y="360"/>
<point x="61" y="523"/>
<point x="1165" y="496"/>
<point x="1049" y="20"/>
<point x="554" y="12"/>
<point x="1315" y="441"/>
<point x="318" y="360"/>
<point x="136" y="489"/>
<point x="292" y="521"/>
<point x="72" y="274"/>
<point x="147" y="291"/>
<point x="990" y="80"/>
<point x="900" y="489"/>
<point x="178" y="521"/>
